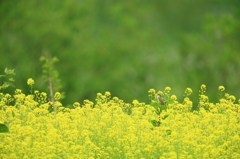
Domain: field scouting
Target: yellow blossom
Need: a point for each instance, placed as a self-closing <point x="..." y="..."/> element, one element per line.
<point x="174" y="97"/>
<point x="151" y="91"/>
<point x="30" y="81"/>
<point x="18" y="91"/>
<point x="167" y="89"/>
<point x="107" y="93"/>
<point x="57" y="96"/>
<point x="232" y="98"/>
<point x="160" y="92"/>
<point x="203" y="88"/>
<point x="188" y="91"/>
<point x="221" y="88"/>
<point x="76" y="104"/>
<point x="117" y="129"/>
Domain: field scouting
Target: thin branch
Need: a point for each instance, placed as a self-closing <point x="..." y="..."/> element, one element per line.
<point x="51" y="93"/>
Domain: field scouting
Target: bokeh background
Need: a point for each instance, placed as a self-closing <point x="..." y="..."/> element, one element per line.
<point x="125" y="47"/>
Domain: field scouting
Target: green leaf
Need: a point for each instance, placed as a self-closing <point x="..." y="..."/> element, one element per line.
<point x="3" y="128"/>
<point x="6" y="70"/>
<point x="155" y="100"/>
<point x="162" y="107"/>
<point x="154" y="122"/>
<point x="165" y="116"/>
<point x="11" y="79"/>
<point x="7" y="84"/>
<point x="10" y="84"/>
<point x="9" y="71"/>
<point x="2" y="76"/>
<point x="170" y="101"/>
<point x="13" y="114"/>
<point x="154" y="104"/>
<point x="169" y="132"/>
<point x="6" y="123"/>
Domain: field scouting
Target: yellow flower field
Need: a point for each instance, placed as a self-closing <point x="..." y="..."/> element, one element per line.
<point x="111" y="128"/>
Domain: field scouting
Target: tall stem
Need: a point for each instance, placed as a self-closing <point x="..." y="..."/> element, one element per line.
<point x="51" y="93"/>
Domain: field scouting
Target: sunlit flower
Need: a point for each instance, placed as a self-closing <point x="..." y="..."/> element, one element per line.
<point x="30" y="81"/>
<point x="232" y="98"/>
<point x="188" y="91"/>
<point x="151" y="90"/>
<point x="221" y="88"/>
<point x="57" y="96"/>
<point x="203" y="89"/>
<point x="76" y="104"/>
<point x="36" y="92"/>
<point x="107" y="93"/>
<point x="116" y="129"/>
<point x="167" y="89"/>
<point x="160" y="92"/>
<point x="99" y="94"/>
<point x="135" y="102"/>
<point x="18" y="91"/>
<point x="174" y="97"/>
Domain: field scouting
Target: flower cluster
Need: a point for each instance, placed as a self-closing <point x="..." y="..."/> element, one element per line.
<point x="111" y="128"/>
<point x="30" y="81"/>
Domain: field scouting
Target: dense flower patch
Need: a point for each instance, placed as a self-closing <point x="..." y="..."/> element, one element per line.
<point x="111" y="128"/>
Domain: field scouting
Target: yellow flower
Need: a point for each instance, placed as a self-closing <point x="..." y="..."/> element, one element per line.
<point x="221" y="88"/>
<point x="115" y="99"/>
<point x="160" y="92"/>
<point x="174" y="97"/>
<point x="151" y="90"/>
<point x="107" y="93"/>
<point x="43" y="94"/>
<point x="99" y="94"/>
<point x="227" y="95"/>
<point x="232" y="98"/>
<point x="131" y="128"/>
<point x="203" y="88"/>
<point x="30" y="81"/>
<point x="36" y="92"/>
<point x="57" y="96"/>
<point x="18" y="91"/>
<point x="135" y="102"/>
<point x="76" y="104"/>
<point x="167" y="89"/>
<point x="188" y="91"/>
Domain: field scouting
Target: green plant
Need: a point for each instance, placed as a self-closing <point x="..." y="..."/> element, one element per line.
<point x="160" y="103"/>
<point x="5" y="84"/>
<point x="51" y="75"/>
<point x="3" y="128"/>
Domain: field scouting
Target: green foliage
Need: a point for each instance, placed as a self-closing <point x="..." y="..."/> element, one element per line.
<point x="51" y="75"/>
<point x="123" y="46"/>
<point x="154" y="123"/>
<point x="6" y="81"/>
<point x="159" y="107"/>
<point x="213" y="52"/>
<point x="3" y="128"/>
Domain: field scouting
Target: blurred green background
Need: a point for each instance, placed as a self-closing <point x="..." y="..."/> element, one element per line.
<point x="125" y="47"/>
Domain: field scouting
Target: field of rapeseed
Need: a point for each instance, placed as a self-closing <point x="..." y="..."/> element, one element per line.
<point x="111" y="128"/>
